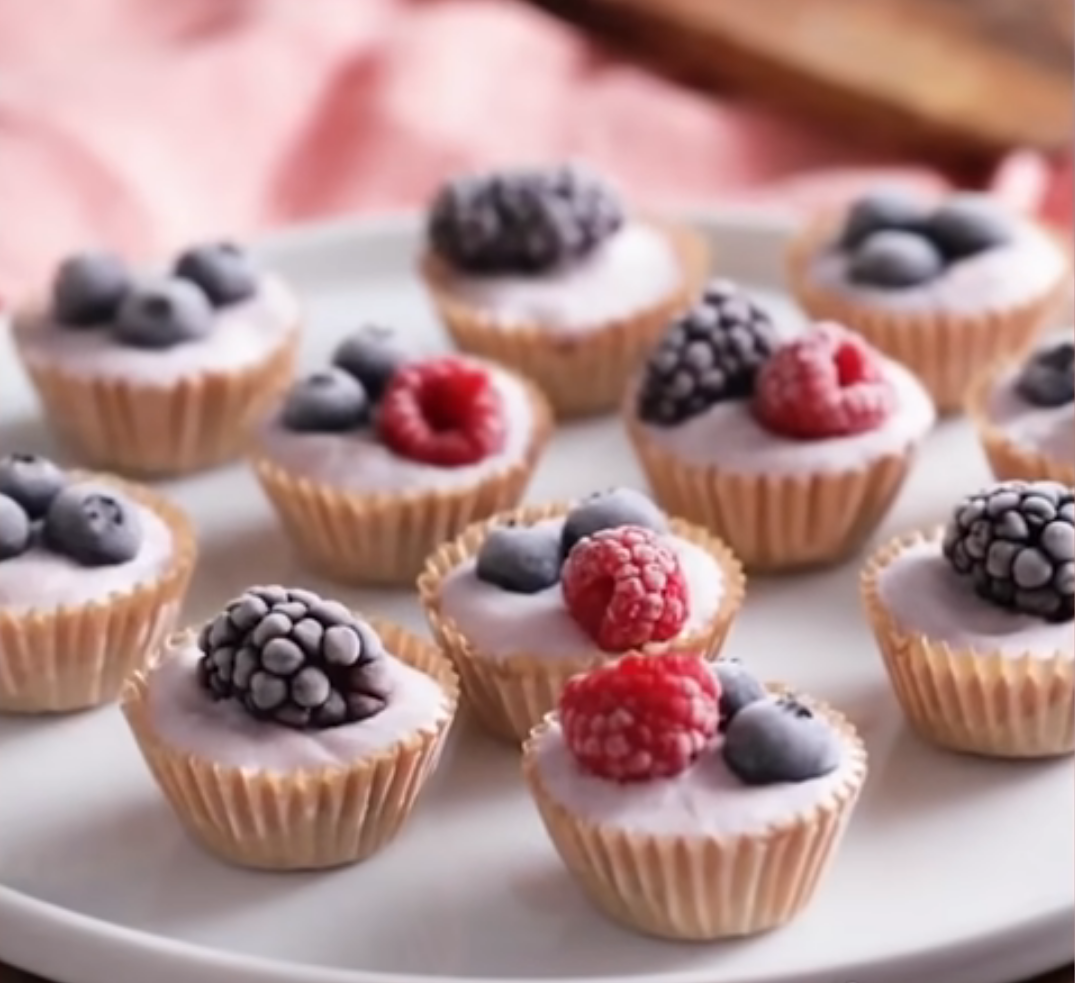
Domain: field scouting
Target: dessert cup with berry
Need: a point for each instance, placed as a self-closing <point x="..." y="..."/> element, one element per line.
<point x="726" y="799"/>
<point x="93" y="572"/>
<point x="159" y="373"/>
<point x="544" y="270"/>
<point x="526" y="600"/>
<point x="945" y="287"/>
<point x="375" y="461"/>
<point x="289" y="733"/>
<point x="974" y="622"/>
<point x="791" y="449"/>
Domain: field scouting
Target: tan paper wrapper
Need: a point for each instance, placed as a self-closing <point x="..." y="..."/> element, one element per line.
<point x="978" y="702"/>
<point x="583" y="374"/>
<point x="510" y="696"/>
<point x="72" y="658"/>
<point x="702" y="889"/>
<point x="946" y="351"/>
<point x="308" y="820"/>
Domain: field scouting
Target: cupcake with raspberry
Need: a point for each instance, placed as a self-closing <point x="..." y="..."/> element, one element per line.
<point x="92" y="575"/>
<point x="374" y="461"/>
<point x="945" y="287"/>
<point x="159" y="373"/>
<point x="791" y="450"/>
<point x="974" y="622"/>
<point x="731" y="797"/>
<point x="289" y="733"/>
<point x="526" y="600"/>
<point x="544" y="270"/>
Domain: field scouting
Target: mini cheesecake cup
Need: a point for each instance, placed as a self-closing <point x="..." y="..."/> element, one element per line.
<point x="583" y="373"/>
<point x="67" y="658"/>
<point x="511" y="695"/>
<point x="307" y="819"/>
<point x="978" y="702"/>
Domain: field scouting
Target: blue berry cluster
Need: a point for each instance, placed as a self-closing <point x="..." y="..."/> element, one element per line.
<point x="1048" y="377"/>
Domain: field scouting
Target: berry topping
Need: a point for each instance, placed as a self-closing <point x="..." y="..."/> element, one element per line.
<point x="772" y="741"/>
<point x="1016" y="542"/>
<point x="883" y="210"/>
<point x="625" y="588"/>
<point x="1048" y="378"/>
<point x="225" y="272"/>
<point x="443" y="411"/>
<point x="522" y="221"/>
<point x="709" y="354"/>
<point x="640" y="718"/>
<point x="290" y="657"/>
<point x="969" y="223"/>
<point x="14" y="528"/>
<point x="162" y="313"/>
<point x="372" y="355"/>
<point x="825" y="383"/>
<point x="329" y="401"/>
<point x="521" y="559"/>
<point x="738" y="688"/>
<point x="892" y="259"/>
<point x="93" y="526"/>
<point x="32" y="481"/>
<point x="89" y="288"/>
<point x="607" y="510"/>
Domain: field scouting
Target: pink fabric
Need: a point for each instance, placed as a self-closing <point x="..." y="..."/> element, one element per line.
<point x="143" y="124"/>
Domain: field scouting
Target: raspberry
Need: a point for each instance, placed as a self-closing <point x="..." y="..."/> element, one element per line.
<point x="641" y="717"/>
<point x="826" y="383"/>
<point x="625" y="588"/>
<point x="443" y="411"/>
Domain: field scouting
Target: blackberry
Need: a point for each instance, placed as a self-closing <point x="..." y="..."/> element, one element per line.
<point x="1016" y="542"/>
<point x="522" y="221"/>
<point x="291" y="657"/>
<point x="709" y="354"/>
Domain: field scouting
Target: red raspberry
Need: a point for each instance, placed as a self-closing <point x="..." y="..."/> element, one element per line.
<point x="643" y="716"/>
<point x="443" y="411"/>
<point x="826" y="383"/>
<point x="625" y="588"/>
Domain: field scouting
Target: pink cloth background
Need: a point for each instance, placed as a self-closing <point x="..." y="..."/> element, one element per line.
<point x="143" y="123"/>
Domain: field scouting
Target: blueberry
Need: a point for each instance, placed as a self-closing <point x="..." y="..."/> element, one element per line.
<point x="93" y="526"/>
<point x="329" y="401"/>
<point x="967" y="224"/>
<point x="224" y="271"/>
<point x="521" y="559"/>
<point x="161" y="313"/>
<point x="372" y="355"/>
<point x="14" y="528"/>
<point x="779" y="740"/>
<point x="1048" y="378"/>
<point x="88" y="288"/>
<point x="738" y="688"/>
<point x="31" y="481"/>
<point x="893" y="259"/>
<point x="607" y="510"/>
<point x="880" y="212"/>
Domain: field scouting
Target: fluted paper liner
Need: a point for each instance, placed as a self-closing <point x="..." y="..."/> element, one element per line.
<point x="981" y="702"/>
<point x="56" y="660"/>
<point x="309" y="819"/>
<point x="510" y="695"/>
<point x="703" y="888"/>
<point x="582" y="373"/>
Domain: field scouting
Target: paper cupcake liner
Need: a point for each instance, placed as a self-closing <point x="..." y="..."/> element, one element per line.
<point x="582" y="374"/>
<point x="982" y="702"/>
<point x="306" y="820"/>
<point x="509" y="696"/>
<point x="57" y="660"/>
<point x="699" y="889"/>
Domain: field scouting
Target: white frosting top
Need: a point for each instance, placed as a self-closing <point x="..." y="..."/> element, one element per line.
<point x="501" y="623"/>
<point x="636" y="268"/>
<point x="1048" y="430"/>
<point x="924" y="596"/>
<point x="188" y="718"/>
<point x="243" y="335"/>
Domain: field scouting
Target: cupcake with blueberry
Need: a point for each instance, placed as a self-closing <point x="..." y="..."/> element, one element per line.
<point x="791" y="449"/>
<point x="545" y="270"/>
<point x="945" y="287"/>
<point x="372" y="462"/>
<point x="526" y="600"/>
<point x="93" y="572"/>
<point x="974" y="622"/>
<point x="288" y="732"/>
<point x="159" y="373"/>
<point x="728" y="797"/>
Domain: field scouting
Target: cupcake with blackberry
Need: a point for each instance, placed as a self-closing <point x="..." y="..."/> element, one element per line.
<point x="289" y="733"/>
<point x="974" y="622"/>
<point x="945" y="287"/>
<point x="93" y="572"/>
<point x="526" y="600"/>
<point x="372" y="462"/>
<point x="791" y="449"/>
<point x="159" y="373"/>
<point x="546" y="271"/>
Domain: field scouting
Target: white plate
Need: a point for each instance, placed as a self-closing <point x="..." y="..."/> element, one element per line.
<point x="954" y="869"/>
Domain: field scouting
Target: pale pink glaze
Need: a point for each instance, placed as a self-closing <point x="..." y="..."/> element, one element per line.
<point x="1048" y="430"/>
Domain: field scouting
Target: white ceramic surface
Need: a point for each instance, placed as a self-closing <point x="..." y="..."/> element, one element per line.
<point x="953" y="870"/>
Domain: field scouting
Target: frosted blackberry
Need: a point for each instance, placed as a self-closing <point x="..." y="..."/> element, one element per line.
<point x="291" y="657"/>
<point x="711" y="353"/>
<point x="522" y="221"/>
<point x="1015" y="542"/>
